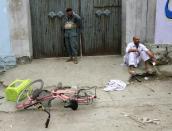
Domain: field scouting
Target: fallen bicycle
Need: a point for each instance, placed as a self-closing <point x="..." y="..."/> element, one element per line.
<point x="31" y="97"/>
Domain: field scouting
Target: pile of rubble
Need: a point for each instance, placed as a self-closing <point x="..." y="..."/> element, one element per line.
<point x="163" y="53"/>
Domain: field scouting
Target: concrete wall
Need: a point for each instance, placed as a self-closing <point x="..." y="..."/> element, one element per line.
<point x="20" y="27"/>
<point x="124" y="36"/>
<point x="151" y="18"/>
<point x="138" y="19"/>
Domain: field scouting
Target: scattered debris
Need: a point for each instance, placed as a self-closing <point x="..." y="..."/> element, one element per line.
<point x="156" y="69"/>
<point x="1" y="97"/>
<point x="146" y="78"/>
<point x="139" y="76"/>
<point x="151" y="89"/>
<point x="142" y="121"/>
<point x="162" y="53"/>
<point x="24" y="60"/>
<point x="134" y="77"/>
<point x="2" y="85"/>
<point x="115" y="85"/>
<point x="134" y="118"/>
<point x="148" y="120"/>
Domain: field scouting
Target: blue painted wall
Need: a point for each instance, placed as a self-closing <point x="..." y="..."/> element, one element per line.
<point x="6" y="56"/>
<point x="5" y="48"/>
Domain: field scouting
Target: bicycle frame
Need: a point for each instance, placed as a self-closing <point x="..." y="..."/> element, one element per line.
<point x="60" y="94"/>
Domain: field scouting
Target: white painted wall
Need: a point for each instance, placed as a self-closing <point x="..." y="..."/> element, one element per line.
<point x="163" y="33"/>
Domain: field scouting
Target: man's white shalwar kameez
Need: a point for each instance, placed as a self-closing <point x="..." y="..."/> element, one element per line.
<point x="134" y="58"/>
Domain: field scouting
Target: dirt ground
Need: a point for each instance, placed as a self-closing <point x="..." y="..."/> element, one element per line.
<point x="118" y="110"/>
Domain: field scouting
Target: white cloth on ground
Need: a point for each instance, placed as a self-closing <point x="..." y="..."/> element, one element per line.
<point x="115" y="85"/>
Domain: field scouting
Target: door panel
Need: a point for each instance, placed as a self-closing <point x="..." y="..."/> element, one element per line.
<point x="102" y="27"/>
<point x="47" y="33"/>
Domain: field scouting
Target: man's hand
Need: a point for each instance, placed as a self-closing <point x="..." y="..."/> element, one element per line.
<point x="152" y="56"/>
<point x="133" y="50"/>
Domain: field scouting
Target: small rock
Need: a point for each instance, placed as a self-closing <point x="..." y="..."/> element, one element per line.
<point x="146" y="78"/>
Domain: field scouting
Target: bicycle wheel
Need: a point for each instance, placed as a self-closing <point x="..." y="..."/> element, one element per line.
<point x="22" y="100"/>
<point x="87" y="91"/>
<point x="86" y="95"/>
<point x="45" y="103"/>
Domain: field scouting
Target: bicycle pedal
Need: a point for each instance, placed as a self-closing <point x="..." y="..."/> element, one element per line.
<point x="40" y="108"/>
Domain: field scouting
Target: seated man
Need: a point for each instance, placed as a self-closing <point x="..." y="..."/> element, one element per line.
<point x="135" y="52"/>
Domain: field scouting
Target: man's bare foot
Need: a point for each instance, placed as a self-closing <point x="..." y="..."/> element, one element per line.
<point x="131" y="70"/>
